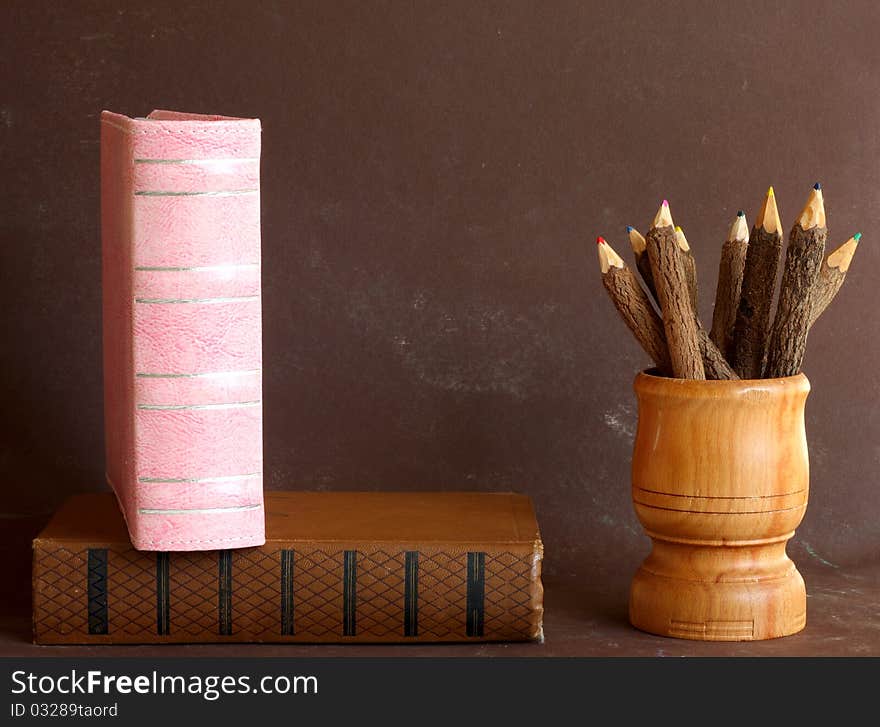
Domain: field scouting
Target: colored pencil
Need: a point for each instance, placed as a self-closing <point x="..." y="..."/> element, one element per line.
<point x="633" y="305"/>
<point x="803" y="260"/>
<point x="752" y="328"/>
<point x="670" y="279"/>
<point x="729" y="287"/>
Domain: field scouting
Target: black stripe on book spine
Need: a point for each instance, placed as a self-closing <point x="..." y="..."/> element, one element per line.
<point x="97" y="590"/>
<point x="287" y="613"/>
<point x="476" y="593"/>
<point x="163" y="602"/>
<point x="349" y="594"/>
<point x="411" y="593"/>
<point x="224" y="592"/>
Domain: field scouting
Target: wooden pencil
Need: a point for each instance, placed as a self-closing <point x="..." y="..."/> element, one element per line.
<point x="803" y="260"/>
<point x="633" y="305"/>
<point x="714" y="364"/>
<point x="832" y="274"/>
<point x="643" y="265"/>
<point x="752" y="328"/>
<point x="690" y="265"/>
<point x="727" y="292"/>
<point x="670" y="280"/>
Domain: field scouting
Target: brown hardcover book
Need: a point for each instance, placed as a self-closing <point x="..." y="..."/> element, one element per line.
<point x="336" y="567"/>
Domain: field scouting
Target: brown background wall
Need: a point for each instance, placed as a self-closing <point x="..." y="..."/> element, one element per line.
<point x="434" y="175"/>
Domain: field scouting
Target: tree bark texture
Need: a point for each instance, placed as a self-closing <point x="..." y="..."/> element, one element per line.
<point x="673" y="293"/>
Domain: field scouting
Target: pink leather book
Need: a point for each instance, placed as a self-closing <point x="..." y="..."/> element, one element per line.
<point x="180" y="228"/>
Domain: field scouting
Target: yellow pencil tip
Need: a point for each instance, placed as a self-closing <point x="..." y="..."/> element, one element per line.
<point x="677" y="228"/>
<point x="770" y="191"/>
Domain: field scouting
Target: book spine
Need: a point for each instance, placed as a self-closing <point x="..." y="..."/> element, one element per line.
<point x="182" y="329"/>
<point x="288" y="592"/>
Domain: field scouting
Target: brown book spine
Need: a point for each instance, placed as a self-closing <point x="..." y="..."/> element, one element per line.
<point x="287" y="592"/>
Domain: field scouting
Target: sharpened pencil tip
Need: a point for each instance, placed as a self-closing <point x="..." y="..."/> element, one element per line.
<point x="636" y="240"/>
<point x="681" y="240"/>
<point x="663" y="218"/>
<point x="739" y="230"/>
<point x="841" y="258"/>
<point x="813" y="213"/>
<point x="768" y="217"/>
<point x="607" y="257"/>
<point x="740" y="214"/>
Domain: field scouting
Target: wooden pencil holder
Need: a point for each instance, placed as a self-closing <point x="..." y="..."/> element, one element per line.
<point x="719" y="482"/>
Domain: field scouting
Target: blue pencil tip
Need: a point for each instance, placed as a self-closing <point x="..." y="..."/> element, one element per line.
<point x="629" y="228"/>
<point x="817" y="186"/>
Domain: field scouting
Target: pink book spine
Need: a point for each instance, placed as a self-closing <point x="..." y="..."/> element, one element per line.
<point x="180" y="228"/>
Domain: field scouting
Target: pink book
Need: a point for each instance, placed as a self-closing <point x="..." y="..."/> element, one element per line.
<point x="180" y="228"/>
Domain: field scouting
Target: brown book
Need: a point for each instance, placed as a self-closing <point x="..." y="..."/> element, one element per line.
<point x="336" y="567"/>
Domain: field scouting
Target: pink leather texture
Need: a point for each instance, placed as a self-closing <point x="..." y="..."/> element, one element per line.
<point x="180" y="228"/>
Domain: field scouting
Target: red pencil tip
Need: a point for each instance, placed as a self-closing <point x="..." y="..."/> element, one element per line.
<point x="600" y="240"/>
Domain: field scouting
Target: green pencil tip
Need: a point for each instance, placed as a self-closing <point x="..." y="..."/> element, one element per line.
<point x="857" y="236"/>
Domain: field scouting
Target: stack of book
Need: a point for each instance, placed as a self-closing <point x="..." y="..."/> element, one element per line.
<point x="190" y="553"/>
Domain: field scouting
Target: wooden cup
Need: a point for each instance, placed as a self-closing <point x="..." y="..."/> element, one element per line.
<point x="720" y="478"/>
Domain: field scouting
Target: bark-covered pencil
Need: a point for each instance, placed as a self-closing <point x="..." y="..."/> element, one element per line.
<point x="633" y="305"/>
<point x="690" y="265"/>
<point x="803" y="259"/>
<point x="643" y="265"/>
<point x="752" y="328"/>
<point x="714" y="363"/>
<point x="727" y="292"/>
<point x="832" y="274"/>
<point x="670" y="280"/>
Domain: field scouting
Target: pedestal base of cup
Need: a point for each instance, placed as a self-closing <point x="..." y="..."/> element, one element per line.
<point x="729" y="605"/>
